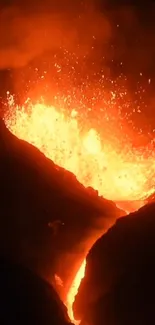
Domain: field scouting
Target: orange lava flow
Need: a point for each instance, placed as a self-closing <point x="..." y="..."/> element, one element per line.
<point x="73" y="291"/>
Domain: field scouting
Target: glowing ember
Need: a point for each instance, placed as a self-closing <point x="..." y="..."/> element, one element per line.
<point x="73" y="291"/>
<point x="117" y="171"/>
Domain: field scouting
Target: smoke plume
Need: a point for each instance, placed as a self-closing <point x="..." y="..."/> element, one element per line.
<point x="26" y="33"/>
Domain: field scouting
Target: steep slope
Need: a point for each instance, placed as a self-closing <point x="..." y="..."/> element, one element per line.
<point x="119" y="282"/>
<point x="48" y="219"/>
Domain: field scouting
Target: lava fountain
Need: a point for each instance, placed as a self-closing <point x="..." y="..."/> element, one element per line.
<point x="118" y="173"/>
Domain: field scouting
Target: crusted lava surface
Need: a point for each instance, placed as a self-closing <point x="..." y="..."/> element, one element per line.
<point x="119" y="283"/>
<point x="49" y="220"/>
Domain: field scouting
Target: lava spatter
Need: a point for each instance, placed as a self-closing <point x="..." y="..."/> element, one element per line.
<point x="106" y="161"/>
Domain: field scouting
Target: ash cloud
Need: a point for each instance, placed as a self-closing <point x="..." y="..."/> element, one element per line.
<point x="124" y="33"/>
<point x="28" y="32"/>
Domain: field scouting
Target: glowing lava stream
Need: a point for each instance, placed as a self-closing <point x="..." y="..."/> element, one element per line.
<point x="73" y="291"/>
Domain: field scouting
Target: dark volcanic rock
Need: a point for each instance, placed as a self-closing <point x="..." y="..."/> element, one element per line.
<point x="25" y="299"/>
<point x="119" y="283"/>
<point x="48" y="219"/>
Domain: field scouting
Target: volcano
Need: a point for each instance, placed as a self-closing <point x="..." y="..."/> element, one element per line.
<point x="50" y="220"/>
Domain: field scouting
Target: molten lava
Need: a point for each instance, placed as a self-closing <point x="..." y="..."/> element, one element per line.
<point x="73" y="291"/>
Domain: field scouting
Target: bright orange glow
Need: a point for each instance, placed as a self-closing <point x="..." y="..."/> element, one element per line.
<point x="73" y="291"/>
<point x="117" y="173"/>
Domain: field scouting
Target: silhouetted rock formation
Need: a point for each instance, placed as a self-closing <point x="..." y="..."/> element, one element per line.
<point x="48" y="219"/>
<point x="25" y="299"/>
<point x="119" y="283"/>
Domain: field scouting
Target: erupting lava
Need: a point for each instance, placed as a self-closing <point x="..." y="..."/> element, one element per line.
<point x="118" y="172"/>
